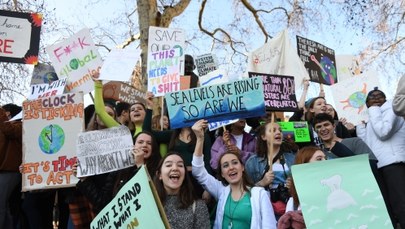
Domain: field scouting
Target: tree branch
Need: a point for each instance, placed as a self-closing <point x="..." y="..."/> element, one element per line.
<point x="171" y="12"/>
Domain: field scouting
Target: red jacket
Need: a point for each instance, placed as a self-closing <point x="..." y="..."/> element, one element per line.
<point x="10" y="143"/>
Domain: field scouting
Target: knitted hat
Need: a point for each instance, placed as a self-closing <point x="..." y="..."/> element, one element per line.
<point x="12" y="108"/>
<point x="374" y="90"/>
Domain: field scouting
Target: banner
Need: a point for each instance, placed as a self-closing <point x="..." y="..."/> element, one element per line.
<point x="278" y="57"/>
<point x="103" y="151"/>
<point x="50" y="128"/>
<point x="319" y="61"/>
<point x="332" y="195"/>
<point x="19" y="37"/>
<point x="165" y="59"/>
<point x="350" y="96"/>
<point x="296" y="131"/>
<point x="43" y="74"/>
<point x="134" y="206"/>
<point x="279" y="92"/>
<point x="119" y="64"/>
<point x="123" y="92"/>
<point x="76" y="59"/>
<point x="238" y="99"/>
<point x="206" y="63"/>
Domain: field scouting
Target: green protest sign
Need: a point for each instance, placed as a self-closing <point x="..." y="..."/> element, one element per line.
<point x="297" y="131"/>
<point x="133" y="207"/>
<point x="340" y="193"/>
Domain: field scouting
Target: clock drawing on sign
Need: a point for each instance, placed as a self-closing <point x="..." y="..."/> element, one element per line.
<point x="51" y="139"/>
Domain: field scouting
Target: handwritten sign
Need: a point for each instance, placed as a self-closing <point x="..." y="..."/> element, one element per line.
<point x="134" y="206"/>
<point x="76" y="59"/>
<point x="165" y="59"/>
<point x="206" y="63"/>
<point x="319" y="61"/>
<point x="296" y="131"/>
<point x="50" y="127"/>
<point x="343" y="199"/>
<point x="215" y="125"/>
<point x="103" y="151"/>
<point x="43" y="74"/>
<point x="123" y="92"/>
<point x="238" y="99"/>
<point x="218" y="76"/>
<point x="19" y="37"/>
<point x="46" y="90"/>
<point x="278" y="57"/>
<point x="279" y="92"/>
<point x="119" y="64"/>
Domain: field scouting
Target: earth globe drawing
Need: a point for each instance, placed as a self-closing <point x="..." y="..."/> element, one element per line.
<point x="357" y="100"/>
<point x="51" y="139"/>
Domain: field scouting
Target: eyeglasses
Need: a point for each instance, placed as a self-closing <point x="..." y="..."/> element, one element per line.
<point x="376" y="96"/>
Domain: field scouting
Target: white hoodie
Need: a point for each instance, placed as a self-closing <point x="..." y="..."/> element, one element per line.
<point x="384" y="134"/>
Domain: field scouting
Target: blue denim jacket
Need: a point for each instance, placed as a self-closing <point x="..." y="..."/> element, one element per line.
<point x="256" y="166"/>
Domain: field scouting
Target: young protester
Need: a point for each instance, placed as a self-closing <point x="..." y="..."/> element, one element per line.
<point x="99" y="195"/>
<point x="384" y="133"/>
<point x="240" y="205"/>
<point x="234" y="139"/>
<point x="338" y="147"/>
<point x="293" y="217"/>
<point x="398" y="104"/>
<point x="182" y="207"/>
<point x="275" y="180"/>
<point x="122" y="109"/>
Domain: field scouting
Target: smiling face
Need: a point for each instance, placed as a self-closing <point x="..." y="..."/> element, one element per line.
<point x="137" y="113"/>
<point x="172" y="173"/>
<point x="319" y="106"/>
<point x="277" y="133"/>
<point x="325" y="130"/>
<point x="376" y="98"/>
<point x="144" y="143"/>
<point x="164" y="122"/>
<point x="330" y="111"/>
<point x="231" y="168"/>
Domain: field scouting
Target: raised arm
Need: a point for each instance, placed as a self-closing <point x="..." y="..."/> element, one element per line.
<point x="99" y="106"/>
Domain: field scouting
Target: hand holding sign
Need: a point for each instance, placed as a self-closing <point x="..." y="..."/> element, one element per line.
<point x="199" y="128"/>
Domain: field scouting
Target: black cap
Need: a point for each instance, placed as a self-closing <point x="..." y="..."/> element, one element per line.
<point x="12" y="108"/>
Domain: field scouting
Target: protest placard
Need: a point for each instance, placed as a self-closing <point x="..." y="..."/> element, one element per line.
<point x="185" y="82"/>
<point x="296" y="131"/>
<point x="347" y="66"/>
<point x="278" y="57"/>
<point x="319" y="61"/>
<point x="134" y="206"/>
<point x="218" y="76"/>
<point x="237" y="99"/>
<point x="215" y="125"/>
<point x="119" y="64"/>
<point x="206" y="63"/>
<point x="103" y="151"/>
<point x="332" y="195"/>
<point x="165" y="59"/>
<point x="46" y="90"/>
<point x="43" y="74"/>
<point x="76" y="59"/>
<point x="350" y="96"/>
<point x="50" y="128"/>
<point x="279" y="92"/>
<point x="19" y="37"/>
<point x="123" y="92"/>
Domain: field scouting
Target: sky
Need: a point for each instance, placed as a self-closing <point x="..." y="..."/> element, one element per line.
<point x="78" y="15"/>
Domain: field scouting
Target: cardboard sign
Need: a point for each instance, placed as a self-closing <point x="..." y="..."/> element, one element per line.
<point x="278" y="57"/>
<point x="123" y="92"/>
<point x="76" y="59"/>
<point x="19" y="37"/>
<point x="238" y="99"/>
<point x="350" y="96"/>
<point x="134" y="206"/>
<point x="43" y="74"/>
<point x="119" y="64"/>
<point x="50" y="128"/>
<point x="206" y="63"/>
<point x="103" y="151"/>
<point x="297" y="131"/>
<point x="46" y="90"/>
<point x="165" y="59"/>
<point x="279" y="92"/>
<point x="332" y="195"/>
<point x="319" y="61"/>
